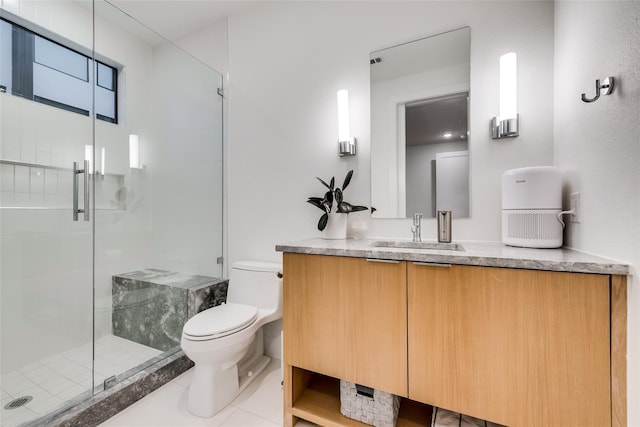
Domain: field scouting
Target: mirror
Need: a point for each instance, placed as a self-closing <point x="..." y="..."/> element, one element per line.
<point x="419" y="127"/>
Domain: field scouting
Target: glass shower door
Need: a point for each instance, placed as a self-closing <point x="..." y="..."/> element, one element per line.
<point x="46" y="271"/>
<point x="159" y="204"/>
<point x="147" y="119"/>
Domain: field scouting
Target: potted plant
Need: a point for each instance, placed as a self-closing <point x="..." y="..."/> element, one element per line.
<point x="334" y="220"/>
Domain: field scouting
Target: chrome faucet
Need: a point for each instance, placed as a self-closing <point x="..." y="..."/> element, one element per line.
<point x="416" y="227"/>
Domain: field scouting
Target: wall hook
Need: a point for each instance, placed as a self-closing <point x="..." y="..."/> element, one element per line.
<point x="601" y="89"/>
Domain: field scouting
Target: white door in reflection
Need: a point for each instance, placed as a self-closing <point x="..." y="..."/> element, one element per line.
<point x="452" y="183"/>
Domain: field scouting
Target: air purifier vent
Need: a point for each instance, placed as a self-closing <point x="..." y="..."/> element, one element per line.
<point x="532" y="228"/>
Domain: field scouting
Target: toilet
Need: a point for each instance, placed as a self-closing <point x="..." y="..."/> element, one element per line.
<point x="225" y="342"/>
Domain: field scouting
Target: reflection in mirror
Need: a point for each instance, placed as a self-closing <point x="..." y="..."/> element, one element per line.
<point x="419" y="127"/>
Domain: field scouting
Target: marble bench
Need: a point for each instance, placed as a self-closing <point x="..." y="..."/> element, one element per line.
<point x="150" y="306"/>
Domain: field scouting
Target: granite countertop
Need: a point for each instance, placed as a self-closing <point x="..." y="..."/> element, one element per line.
<point x="489" y="254"/>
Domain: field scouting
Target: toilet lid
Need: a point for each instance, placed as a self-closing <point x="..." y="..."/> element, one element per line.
<point x="220" y="321"/>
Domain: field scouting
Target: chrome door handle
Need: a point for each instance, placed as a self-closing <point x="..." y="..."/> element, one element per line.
<point x="431" y="264"/>
<point x="385" y="261"/>
<point x="76" y="172"/>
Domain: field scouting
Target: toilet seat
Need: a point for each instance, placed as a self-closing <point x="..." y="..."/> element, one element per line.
<point x="219" y="321"/>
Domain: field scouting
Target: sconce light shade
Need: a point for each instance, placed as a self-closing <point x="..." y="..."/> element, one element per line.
<point x="103" y="162"/>
<point x="88" y="155"/>
<point x="507" y="124"/>
<point x="134" y="152"/>
<point x="346" y="143"/>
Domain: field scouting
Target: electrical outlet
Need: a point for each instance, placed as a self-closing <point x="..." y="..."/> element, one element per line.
<point x="575" y="207"/>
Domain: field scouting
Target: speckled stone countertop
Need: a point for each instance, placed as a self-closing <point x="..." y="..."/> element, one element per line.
<point x="489" y="254"/>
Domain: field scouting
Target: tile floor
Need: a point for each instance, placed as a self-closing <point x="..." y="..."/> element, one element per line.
<point x="259" y="405"/>
<point x="54" y="381"/>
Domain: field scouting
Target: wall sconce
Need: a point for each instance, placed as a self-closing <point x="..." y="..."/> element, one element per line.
<point x="346" y="143"/>
<point x="507" y="124"/>
<point x="88" y="155"/>
<point x="103" y="154"/>
<point x="134" y="152"/>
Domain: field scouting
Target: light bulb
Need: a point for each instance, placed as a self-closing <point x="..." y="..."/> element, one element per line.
<point x="134" y="152"/>
<point x="508" y="86"/>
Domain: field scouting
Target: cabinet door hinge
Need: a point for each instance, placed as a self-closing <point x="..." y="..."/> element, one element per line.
<point x="221" y="92"/>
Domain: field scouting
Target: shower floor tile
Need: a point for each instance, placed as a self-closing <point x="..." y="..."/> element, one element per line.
<point x="56" y="380"/>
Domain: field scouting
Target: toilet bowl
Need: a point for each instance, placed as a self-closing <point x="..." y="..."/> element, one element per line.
<point x="225" y="342"/>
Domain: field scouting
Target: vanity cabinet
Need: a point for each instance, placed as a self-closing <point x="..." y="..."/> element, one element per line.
<point x="517" y="347"/>
<point x="514" y="346"/>
<point x="346" y="318"/>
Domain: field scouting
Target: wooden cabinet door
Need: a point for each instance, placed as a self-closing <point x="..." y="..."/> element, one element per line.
<point x="376" y="325"/>
<point x="313" y="317"/>
<point x="346" y="318"/>
<point x="517" y="347"/>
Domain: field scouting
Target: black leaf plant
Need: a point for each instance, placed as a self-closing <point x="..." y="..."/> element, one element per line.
<point x="334" y="194"/>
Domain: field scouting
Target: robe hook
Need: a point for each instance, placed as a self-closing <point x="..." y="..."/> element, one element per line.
<point x="601" y="89"/>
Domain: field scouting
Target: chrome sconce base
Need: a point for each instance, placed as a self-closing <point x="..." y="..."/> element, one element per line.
<point x="347" y="148"/>
<point x="509" y="128"/>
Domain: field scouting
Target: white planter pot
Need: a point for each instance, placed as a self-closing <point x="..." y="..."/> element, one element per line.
<point x="336" y="226"/>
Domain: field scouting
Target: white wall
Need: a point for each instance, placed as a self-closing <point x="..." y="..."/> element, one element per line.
<point x="598" y="144"/>
<point x="209" y="45"/>
<point x="288" y="59"/>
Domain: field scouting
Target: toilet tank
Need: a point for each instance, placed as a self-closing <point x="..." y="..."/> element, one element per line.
<point x="256" y="283"/>
<point x="531" y="202"/>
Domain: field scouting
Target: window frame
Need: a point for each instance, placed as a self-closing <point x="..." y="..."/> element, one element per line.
<point x="23" y="53"/>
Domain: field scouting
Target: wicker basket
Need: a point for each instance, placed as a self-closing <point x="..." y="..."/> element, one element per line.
<point x="367" y="405"/>
<point x="444" y="418"/>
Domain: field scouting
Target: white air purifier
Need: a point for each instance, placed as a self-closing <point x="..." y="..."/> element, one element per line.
<point x="531" y="202"/>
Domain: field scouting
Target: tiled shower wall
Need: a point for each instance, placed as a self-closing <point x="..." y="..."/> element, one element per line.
<point x="144" y="218"/>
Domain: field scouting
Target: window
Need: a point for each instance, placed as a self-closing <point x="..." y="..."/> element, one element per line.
<point x="36" y="68"/>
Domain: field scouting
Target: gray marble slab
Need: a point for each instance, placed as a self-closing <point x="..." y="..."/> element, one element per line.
<point x="489" y="254"/>
<point x="151" y="306"/>
<point x="95" y="409"/>
<point x="205" y="296"/>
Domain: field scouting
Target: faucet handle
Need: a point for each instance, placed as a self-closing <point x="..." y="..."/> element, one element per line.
<point x="417" y="217"/>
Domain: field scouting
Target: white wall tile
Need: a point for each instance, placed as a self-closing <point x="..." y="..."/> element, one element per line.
<point x="36" y="180"/>
<point x="21" y="179"/>
<point x="51" y="181"/>
<point x="28" y="153"/>
<point x="10" y="152"/>
<point x="7" y="198"/>
<point x="6" y="177"/>
<point x="49" y="253"/>
<point x="57" y="159"/>
<point x="43" y="157"/>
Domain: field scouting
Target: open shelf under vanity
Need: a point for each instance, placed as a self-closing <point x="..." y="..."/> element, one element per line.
<point x="316" y="398"/>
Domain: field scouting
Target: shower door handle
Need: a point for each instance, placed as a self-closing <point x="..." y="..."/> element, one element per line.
<point x="76" y="172"/>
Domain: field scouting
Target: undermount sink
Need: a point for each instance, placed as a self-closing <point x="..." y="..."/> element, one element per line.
<point x="437" y="246"/>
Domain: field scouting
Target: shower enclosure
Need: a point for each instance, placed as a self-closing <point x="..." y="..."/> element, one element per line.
<point x="110" y="203"/>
